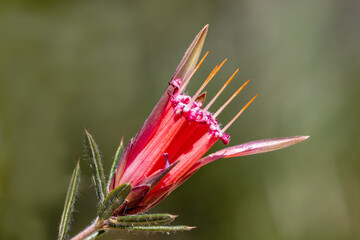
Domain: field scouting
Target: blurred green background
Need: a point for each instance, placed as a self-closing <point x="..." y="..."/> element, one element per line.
<point x="103" y="65"/>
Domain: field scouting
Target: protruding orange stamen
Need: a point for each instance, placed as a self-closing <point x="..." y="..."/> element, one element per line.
<point x="220" y="91"/>
<point x="212" y="74"/>
<point x="237" y="115"/>
<point x="230" y="99"/>
<point x="186" y="81"/>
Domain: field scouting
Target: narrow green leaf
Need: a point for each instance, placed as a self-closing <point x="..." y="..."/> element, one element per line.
<point x="95" y="235"/>
<point x="96" y="166"/>
<point x="151" y="228"/>
<point x="117" y="158"/>
<point x="114" y="200"/>
<point x="69" y="203"/>
<point x="145" y="219"/>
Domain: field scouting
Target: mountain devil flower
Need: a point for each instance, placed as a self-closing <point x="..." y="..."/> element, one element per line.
<point x="169" y="147"/>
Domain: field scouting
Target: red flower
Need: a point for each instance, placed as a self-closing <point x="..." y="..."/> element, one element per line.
<point x="170" y="145"/>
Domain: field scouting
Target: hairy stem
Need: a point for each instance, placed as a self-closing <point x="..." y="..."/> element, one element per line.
<point x="94" y="227"/>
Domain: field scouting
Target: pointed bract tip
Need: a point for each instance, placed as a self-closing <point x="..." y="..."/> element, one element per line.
<point x="261" y="146"/>
<point x="201" y="98"/>
<point x="191" y="57"/>
<point x="204" y="29"/>
<point x="295" y="139"/>
<point x="250" y="148"/>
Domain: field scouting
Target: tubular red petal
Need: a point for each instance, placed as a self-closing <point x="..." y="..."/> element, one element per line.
<point x="144" y="161"/>
<point x="152" y="122"/>
<point x="188" y="159"/>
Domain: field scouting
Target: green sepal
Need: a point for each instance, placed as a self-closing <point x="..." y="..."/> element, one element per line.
<point x="95" y="235"/>
<point x="96" y="166"/>
<point x="69" y="202"/>
<point x="113" y="201"/>
<point x="144" y="219"/>
<point x="151" y="228"/>
<point x="118" y="154"/>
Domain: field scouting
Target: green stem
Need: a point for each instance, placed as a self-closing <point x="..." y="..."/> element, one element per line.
<point x="94" y="227"/>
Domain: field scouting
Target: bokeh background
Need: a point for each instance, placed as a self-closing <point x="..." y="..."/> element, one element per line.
<point x="103" y="65"/>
